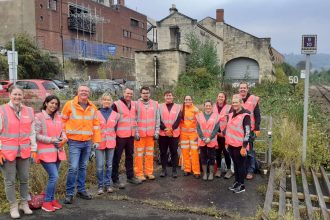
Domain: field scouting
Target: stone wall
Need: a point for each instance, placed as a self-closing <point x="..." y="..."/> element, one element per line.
<point x="241" y="44"/>
<point x="16" y="17"/>
<point x="170" y="64"/>
<point x="185" y="26"/>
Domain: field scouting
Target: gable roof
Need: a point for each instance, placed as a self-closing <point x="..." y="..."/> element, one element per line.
<point x="185" y="16"/>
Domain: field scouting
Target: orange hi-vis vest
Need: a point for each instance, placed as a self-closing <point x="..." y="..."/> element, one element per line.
<point x="169" y="118"/>
<point x="235" y="131"/>
<point x="207" y="127"/>
<point x="108" y="133"/>
<point x="223" y="115"/>
<point x="81" y="124"/>
<point x="126" y="124"/>
<point x="15" y="135"/>
<point x="47" y="152"/>
<point x="146" y="118"/>
<point x="250" y="105"/>
<point x="188" y="125"/>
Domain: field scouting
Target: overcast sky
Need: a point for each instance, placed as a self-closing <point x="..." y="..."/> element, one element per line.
<point x="282" y="20"/>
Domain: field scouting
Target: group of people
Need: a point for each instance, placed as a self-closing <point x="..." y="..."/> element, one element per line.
<point x="124" y="125"/>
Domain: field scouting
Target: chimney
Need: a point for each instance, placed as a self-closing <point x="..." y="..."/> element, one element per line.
<point x="220" y="15"/>
<point x="121" y="2"/>
<point x="173" y="9"/>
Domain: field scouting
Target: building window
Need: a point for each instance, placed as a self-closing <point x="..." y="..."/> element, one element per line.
<point x="127" y="34"/>
<point x="52" y="5"/>
<point x="134" y="23"/>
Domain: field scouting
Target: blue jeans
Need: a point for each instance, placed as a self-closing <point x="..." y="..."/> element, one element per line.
<point x="52" y="170"/>
<point x="79" y="152"/>
<point x="104" y="157"/>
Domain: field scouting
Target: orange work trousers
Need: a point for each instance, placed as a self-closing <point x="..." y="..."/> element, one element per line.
<point x="189" y="152"/>
<point x="144" y="152"/>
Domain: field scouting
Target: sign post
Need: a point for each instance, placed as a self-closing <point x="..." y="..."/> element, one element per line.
<point x="308" y="47"/>
<point x="12" y="62"/>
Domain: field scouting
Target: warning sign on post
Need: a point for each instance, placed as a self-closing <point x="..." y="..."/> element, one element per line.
<point x="309" y="44"/>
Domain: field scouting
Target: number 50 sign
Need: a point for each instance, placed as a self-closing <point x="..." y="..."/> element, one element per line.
<point x="309" y="44"/>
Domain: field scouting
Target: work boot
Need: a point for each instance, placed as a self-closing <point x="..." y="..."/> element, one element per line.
<point x="134" y="180"/>
<point x="150" y="177"/>
<point x="174" y="173"/>
<point x="211" y="173"/>
<point x="68" y="199"/>
<point x="163" y="173"/>
<point x="24" y="206"/>
<point x="14" y="211"/>
<point x="204" y="168"/>
<point x="229" y="174"/>
<point x="141" y="178"/>
<point x="218" y="173"/>
<point x="119" y="185"/>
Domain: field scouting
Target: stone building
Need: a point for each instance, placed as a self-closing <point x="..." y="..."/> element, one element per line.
<point x="244" y="56"/>
<point x="87" y="32"/>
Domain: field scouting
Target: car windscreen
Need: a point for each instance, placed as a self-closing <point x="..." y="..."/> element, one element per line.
<point x="50" y="86"/>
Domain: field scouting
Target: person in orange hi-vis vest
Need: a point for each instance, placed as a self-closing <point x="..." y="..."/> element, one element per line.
<point x="170" y="117"/>
<point x="207" y="129"/>
<point x="17" y="145"/>
<point x="188" y="138"/>
<point x="237" y="139"/>
<point x="251" y="103"/>
<point x="82" y="127"/>
<point x="147" y="131"/>
<point x="50" y="140"/>
<point x="125" y="138"/>
<point x="105" y="151"/>
<point x="223" y="109"/>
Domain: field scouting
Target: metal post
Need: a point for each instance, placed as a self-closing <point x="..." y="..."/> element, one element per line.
<point x="304" y="150"/>
<point x="14" y="61"/>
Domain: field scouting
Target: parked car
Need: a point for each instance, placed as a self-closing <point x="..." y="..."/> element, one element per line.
<point x="60" y="84"/>
<point x="104" y="85"/>
<point x="4" y="85"/>
<point x="35" y="88"/>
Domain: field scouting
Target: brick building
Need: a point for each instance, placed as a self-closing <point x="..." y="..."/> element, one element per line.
<point x="84" y="31"/>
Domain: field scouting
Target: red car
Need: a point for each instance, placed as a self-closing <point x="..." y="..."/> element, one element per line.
<point x="4" y="85"/>
<point x="35" y="88"/>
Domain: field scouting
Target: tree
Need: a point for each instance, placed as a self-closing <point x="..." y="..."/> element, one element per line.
<point x="301" y="65"/>
<point x="32" y="62"/>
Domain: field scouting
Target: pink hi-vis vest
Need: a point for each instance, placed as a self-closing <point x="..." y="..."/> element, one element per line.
<point x="235" y="131"/>
<point x="47" y="152"/>
<point x="108" y="133"/>
<point x="169" y="118"/>
<point x="126" y="124"/>
<point x="15" y="135"/>
<point x="250" y="105"/>
<point x="223" y="115"/>
<point x="207" y="127"/>
<point x="146" y="118"/>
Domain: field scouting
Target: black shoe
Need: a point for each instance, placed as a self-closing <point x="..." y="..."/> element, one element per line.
<point x="163" y="173"/>
<point x="84" y="195"/>
<point x="186" y="173"/>
<point x="134" y="180"/>
<point x="239" y="189"/>
<point x="234" y="186"/>
<point x="174" y="174"/>
<point x="68" y="200"/>
<point x="119" y="185"/>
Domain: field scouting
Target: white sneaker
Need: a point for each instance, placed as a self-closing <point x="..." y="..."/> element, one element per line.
<point x="24" y="206"/>
<point x="14" y="213"/>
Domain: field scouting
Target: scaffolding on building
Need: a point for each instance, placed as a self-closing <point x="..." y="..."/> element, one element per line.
<point x="89" y="44"/>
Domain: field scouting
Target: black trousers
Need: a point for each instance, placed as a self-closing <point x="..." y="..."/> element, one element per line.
<point x="122" y="144"/>
<point x="207" y="155"/>
<point x="220" y="150"/>
<point x="170" y="143"/>
<point x="239" y="163"/>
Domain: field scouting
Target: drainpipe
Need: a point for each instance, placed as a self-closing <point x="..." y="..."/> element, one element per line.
<point x="155" y="70"/>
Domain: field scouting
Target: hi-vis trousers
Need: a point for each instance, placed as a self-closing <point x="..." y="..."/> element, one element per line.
<point x="144" y="152"/>
<point x="189" y="152"/>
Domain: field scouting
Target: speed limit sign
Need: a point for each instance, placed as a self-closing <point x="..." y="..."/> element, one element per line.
<point x="309" y="44"/>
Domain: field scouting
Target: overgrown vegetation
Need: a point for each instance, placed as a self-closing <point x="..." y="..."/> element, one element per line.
<point x="320" y="77"/>
<point x="32" y="62"/>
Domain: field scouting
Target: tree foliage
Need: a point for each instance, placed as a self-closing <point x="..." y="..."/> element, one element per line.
<point x="32" y="62"/>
